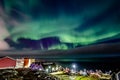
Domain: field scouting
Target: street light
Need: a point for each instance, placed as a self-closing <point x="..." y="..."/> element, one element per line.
<point x="49" y="67"/>
<point x="47" y="70"/>
<point x="74" y="66"/>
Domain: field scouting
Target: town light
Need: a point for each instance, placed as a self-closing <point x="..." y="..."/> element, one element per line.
<point x="49" y="67"/>
<point x="47" y="70"/>
<point x="74" y="66"/>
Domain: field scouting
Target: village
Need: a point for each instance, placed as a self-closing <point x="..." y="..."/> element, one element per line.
<point x="31" y="69"/>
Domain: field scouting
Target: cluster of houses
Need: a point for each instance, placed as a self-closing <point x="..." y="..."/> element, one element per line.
<point x="8" y="62"/>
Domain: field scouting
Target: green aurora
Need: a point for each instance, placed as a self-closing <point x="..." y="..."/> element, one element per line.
<point x="76" y="22"/>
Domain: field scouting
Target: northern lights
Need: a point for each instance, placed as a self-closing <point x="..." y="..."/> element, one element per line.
<point x="58" y="24"/>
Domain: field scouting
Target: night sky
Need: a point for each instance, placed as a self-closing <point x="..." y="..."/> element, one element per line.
<point x="58" y="24"/>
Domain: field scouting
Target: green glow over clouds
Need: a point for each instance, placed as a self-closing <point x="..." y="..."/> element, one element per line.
<point x="71" y="22"/>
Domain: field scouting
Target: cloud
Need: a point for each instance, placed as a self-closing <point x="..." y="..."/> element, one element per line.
<point x="3" y="34"/>
<point x="4" y="45"/>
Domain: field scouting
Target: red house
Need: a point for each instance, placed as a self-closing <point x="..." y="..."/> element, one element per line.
<point x="7" y="62"/>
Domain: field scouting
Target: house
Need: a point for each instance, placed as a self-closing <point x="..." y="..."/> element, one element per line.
<point x="7" y="62"/>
